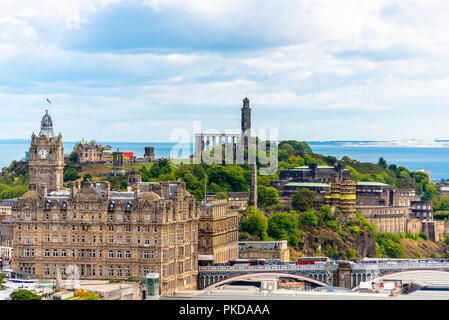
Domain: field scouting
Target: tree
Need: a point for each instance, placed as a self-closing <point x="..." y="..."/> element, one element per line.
<point x="160" y="167"/>
<point x="23" y="294"/>
<point x="70" y="173"/>
<point x="221" y="196"/>
<point x="285" y="226"/>
<point x="87" y="176"/>
<point x="309" y="218"/>
<point x="255" y="223"/>
<point x="326" y="213"/>
<point x="73" y="157"/>
<point x="267" y="195"/>
<point x="303" y="200"/>
<point x="382" y="162"/>
<point x="444" y="203"/>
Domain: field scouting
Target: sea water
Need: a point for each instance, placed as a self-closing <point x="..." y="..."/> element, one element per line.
<point x="433" y="159"/>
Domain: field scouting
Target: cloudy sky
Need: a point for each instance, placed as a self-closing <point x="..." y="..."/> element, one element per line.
<point x="313" y="69"/>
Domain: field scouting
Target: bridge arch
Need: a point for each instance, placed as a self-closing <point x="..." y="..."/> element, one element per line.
<point x="258" y="274"/>
<point x="421" y="275"/>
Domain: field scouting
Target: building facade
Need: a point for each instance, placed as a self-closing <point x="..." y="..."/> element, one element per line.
<point x="269" y="250"/>
<point x="110" y="235"/>
<point x="91" y="152"/>
<point x="6" y="232"/>
<point x="218" y="232"/>
<point x="95" y="233"/>
<point x="333" y="186"/>
<point x="6" y="208"/>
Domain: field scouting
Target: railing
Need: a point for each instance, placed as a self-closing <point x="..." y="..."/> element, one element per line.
<point x="324" y="267"/>
<point x="264" y="268"/>
<point x="409" y="265"/>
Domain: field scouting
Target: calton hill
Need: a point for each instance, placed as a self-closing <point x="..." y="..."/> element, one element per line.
<point x="309" y="232"/>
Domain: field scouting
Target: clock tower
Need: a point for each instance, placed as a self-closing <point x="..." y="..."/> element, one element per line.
<point x="46" y="161"/>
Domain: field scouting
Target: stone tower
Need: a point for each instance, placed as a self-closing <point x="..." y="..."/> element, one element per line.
<point x="246" y="117"/>
<point x="46" y="158"/>
<point x="117" y="164"/>
<point x="246" y="127"/>
<point x="149" y="154"/>
<point x="253" y="193"/>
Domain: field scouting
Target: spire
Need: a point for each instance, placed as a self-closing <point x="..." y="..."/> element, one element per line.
<point x="46" y="126"/>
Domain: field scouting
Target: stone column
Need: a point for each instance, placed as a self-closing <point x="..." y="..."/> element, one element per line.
<point x="344" y="274"/>
<point x="253" y="195"/>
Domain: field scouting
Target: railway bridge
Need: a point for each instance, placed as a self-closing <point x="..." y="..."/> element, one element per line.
<point x="336" y="273"/>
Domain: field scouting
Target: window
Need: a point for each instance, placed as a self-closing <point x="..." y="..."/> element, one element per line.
<point x="46" y="253"/>
<point x="111" y="239"/>
<point x="128" y="255"/>
<point x="46" y="269"/>
<point x="119" y="229"/>
<point x="55" y="215"/>
<point x="55" y="252"/>
<point x="110" y="228"/>
<point x="111" y="254"/>
<point x="63" y="253"/>
<point x="119" y="254"/>
<point x="55" y="227"/>
<point x="110" y="271"/>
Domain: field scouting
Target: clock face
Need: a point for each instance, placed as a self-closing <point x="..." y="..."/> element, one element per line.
<point x="42" y="153"/>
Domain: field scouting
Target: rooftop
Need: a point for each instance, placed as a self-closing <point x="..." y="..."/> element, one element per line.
<point x="308" y="184"/>
<point x="372" y="183"/>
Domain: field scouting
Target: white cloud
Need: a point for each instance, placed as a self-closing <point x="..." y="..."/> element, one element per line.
<point x="342" y="64"/>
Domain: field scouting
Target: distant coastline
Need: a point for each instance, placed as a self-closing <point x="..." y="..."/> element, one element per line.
<point x="407" y="143"/>
<point x="431" y="155"/>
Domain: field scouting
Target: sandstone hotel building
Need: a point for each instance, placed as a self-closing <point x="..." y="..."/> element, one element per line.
<point x="106" y="234"/>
